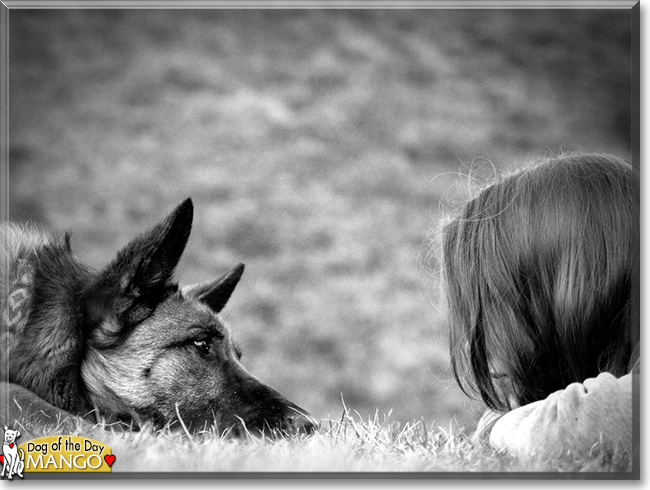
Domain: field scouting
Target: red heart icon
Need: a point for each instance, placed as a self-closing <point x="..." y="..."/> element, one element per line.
<point x="109" y="458"/>
<point x="11" y="445"/>
<point x="2" y="459"/>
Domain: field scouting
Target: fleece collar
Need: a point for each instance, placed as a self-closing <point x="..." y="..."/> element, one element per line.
<point x="19" y="300"/>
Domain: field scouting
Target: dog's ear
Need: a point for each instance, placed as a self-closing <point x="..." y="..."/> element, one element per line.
<point x="138" y="278"/>
<point x="216" y="293"/>
<point x="148" y="262"/>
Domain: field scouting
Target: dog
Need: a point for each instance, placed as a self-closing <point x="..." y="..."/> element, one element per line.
<point x="127" y="344"/>
<point x="12" y="463"/>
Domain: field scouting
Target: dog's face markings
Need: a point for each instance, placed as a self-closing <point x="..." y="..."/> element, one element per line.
<point x="194" y="372"/>
<point x="162" y="353"/>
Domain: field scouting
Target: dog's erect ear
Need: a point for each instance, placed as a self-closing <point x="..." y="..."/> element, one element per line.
<point x="148" y="262"/>
<point x="216" y="293"/>
<point x="134" y="283"/>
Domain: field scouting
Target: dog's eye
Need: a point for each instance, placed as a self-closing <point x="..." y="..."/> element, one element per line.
<point x="203" y="346"/>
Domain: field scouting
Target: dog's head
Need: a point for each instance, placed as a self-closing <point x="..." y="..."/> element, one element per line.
<point x="160" y="353"/>
<point x="11" y="435"/>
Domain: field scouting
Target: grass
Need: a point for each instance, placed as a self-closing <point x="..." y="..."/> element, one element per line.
<point x="349" y="444"/>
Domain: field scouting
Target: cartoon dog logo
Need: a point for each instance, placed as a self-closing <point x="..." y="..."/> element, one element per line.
<point x="13" y="464"/>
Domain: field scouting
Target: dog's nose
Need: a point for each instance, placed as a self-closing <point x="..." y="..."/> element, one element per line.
<point x="300" y="421"/>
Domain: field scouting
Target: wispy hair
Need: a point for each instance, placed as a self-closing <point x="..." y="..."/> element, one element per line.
<point x="538" y="270"/>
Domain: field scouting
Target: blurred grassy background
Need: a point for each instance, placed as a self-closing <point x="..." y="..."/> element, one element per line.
<point x="316" y="146"/>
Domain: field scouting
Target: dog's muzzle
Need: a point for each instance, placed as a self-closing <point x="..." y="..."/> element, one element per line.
<point x="287" y="420"/>
<point x="299" y="421"/>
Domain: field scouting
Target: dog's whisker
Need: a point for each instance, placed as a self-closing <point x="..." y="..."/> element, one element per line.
<point x="180" y="419"/>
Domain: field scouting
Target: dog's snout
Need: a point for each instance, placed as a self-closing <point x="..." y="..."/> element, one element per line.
<point x="272" y="415"/>
<point x="300" y="421"/>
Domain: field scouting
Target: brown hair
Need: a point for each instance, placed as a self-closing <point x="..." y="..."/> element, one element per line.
<point x="538" y="277"/>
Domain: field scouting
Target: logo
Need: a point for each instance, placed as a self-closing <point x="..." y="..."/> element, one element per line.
<point x="12" y="458"/>
<point x="66" y="454"/>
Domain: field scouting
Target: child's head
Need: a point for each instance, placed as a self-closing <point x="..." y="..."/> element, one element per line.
<point x="538" y="275"/>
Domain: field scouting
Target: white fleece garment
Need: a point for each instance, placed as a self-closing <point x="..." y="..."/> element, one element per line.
<point x="572" y="420"/>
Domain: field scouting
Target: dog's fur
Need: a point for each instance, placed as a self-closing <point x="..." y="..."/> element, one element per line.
<point x="13" y="464"/>
<point x="127" y="342"/>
